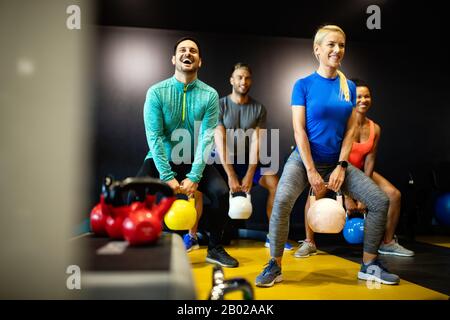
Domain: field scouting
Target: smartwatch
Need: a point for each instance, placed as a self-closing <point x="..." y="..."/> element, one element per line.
<point x="343" y="164"/>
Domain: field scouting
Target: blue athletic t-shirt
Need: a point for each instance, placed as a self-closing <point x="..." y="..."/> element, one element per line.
<point x="327" y="114"/>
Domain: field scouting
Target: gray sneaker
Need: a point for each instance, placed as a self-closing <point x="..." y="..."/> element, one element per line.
<point x="376" y="271"/>
<point x="395" y="249"/>
<point x="305" y="249"/>
<point x="270" y="275"/>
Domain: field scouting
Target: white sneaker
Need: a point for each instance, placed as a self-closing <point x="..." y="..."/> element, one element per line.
<point x="394" y="248"/>
<point x="305" y="249"/>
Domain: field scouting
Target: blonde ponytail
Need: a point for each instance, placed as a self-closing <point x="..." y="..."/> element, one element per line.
<point x="344" y="90"/>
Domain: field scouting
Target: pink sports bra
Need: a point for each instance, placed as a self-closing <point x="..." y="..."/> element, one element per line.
<point x="361" y="149"/>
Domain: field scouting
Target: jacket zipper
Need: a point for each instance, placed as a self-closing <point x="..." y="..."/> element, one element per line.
<point x="184" y="102"/>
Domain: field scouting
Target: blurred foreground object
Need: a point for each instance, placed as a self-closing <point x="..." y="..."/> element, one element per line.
<point x="44" y="143"/>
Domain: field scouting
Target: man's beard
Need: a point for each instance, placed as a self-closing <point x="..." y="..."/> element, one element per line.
<point x="241" y="92"/>
<point x="181" y="68"/>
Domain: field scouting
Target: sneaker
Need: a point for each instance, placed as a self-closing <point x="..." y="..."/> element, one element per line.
<point x="305" y="249"/>
<point x="287" y="245"/>
<point x="375" y="270"/>
<point x="190" y="242"/>
<point x="219" y="256"/>
<point x="270" y="275"/>
<point x="394" y="248"/>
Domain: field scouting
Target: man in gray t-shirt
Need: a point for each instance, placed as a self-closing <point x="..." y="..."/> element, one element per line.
<point x="240" y="119"/>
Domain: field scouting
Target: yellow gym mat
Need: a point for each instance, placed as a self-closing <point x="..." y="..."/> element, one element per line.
<point x="319" y="277"/>
<point x="442" y="241"/>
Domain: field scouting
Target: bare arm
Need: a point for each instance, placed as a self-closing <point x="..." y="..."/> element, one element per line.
<point x="220" y="139"/>
<point x="247" y="181"/>
<point x="338" y="175"/>
<point x="369" y="162"/>
<point x="254" y="151"/>
<point x="301" y="139"/>
<point x="349" y="137"/>
<point x="221" y="147"/>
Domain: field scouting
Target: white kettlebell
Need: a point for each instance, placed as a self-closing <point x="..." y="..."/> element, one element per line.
<point x="326" y="215"/>
<point x="240" y="207"/>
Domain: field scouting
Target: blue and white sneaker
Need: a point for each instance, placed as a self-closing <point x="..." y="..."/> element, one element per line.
<point x="270" y="275"/>
<point x="287" y="246"/>
<point x="376" y="271"/>
<point x="190" y="242"/>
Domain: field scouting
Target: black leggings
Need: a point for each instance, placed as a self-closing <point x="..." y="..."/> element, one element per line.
<point x="212" y="185"/>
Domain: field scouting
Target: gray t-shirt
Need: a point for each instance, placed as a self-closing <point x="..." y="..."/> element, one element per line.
<point x="240" y="116"/>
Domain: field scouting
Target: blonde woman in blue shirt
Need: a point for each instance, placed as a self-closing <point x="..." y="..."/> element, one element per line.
<point x="324" y="118"/>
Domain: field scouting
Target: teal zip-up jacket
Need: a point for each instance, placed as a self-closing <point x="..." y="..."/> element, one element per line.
<point x="172" y="105"/>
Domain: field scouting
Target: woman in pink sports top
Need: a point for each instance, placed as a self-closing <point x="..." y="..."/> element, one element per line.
<point x="363" y="156"/>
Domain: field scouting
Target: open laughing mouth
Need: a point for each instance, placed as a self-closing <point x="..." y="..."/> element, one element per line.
<point x="187" y="61"/>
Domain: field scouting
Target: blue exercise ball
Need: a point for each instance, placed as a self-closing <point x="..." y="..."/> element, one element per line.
<point x="354" y="230"/>
<point x="442" y="209"/>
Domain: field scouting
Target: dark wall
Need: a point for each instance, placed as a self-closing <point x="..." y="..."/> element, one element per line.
<point x="408" y="96"/>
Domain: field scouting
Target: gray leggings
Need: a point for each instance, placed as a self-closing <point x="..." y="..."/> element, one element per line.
<point x="356" y="184"/>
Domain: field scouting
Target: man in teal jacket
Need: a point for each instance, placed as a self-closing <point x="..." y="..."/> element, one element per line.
<point x="180" y="115"/>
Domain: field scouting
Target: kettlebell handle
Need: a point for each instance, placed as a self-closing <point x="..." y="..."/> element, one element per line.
<point x="113" y="190"/>
<point x="349" y="215"/>
<point x="148" y="185"/>
<point x="182" y="196"/>
<point x="248" y="195"/>
<point x="312" y="196"/>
